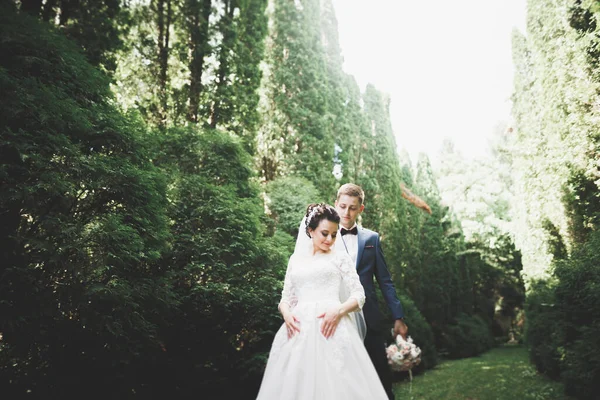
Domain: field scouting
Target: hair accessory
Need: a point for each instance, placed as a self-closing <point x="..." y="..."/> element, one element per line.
<point x="311" y="215"/>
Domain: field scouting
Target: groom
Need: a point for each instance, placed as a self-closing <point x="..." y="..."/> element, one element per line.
<point x="365" y="249"/>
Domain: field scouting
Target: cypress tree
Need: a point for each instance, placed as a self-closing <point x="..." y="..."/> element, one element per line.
<point x="296" y="139"/>
<point x="235" y="96"/>
<point x="98" y="26"/>
<point x="381" y="178"/>
<point x="556" y="144"/>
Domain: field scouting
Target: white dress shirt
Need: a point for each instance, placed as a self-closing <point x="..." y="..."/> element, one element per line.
<point x="348" y="243"/>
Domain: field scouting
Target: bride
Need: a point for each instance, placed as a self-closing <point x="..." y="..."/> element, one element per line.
<point x="318" y="352"/>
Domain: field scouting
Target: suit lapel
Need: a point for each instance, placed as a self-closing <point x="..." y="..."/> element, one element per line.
<point x="361" y="245"/>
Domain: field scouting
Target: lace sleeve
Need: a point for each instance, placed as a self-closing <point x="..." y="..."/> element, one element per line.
<point x="288" y="294"/>
<point x="351" y="280"/>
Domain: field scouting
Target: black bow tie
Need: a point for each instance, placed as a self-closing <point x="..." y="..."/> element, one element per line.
<point x="353" y="231"/>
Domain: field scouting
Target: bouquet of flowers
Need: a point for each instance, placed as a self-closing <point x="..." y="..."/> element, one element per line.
<point x="403" y="355"/>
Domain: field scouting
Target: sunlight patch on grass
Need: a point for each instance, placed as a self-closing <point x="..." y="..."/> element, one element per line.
<point x="503" y="373"/>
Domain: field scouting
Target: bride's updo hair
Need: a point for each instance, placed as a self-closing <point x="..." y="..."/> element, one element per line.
<point x="315" y="213"/>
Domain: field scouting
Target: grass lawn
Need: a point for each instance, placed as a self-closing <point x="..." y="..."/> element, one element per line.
<point x="503" y="373"/>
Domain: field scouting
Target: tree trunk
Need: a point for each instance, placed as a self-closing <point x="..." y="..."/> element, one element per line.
<point x="10" y="248"/>
<point x="49" y="12"/>
<point x="198" y="44"/>
<point x="65" y="11"/>
<point x="164" y="24"/>
<point x="32" y="7"/>
<point x="269" y="167"/>
<point x="224" y="60"/>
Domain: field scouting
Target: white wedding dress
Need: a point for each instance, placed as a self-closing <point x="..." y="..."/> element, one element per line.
<point x="308" y="366"/>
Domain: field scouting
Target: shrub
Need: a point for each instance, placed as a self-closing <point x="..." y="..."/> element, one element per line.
<point x="288" y="198"/>
<point x="544" y="328"/>
<point x="578" y="298"/>
<point x="469" y="336"/>
<point x="418" y="328"/>
<point x="227" y="273"/>
<point x="83" y="224"/>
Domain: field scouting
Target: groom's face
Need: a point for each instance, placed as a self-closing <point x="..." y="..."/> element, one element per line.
<point x="349" y="208"/>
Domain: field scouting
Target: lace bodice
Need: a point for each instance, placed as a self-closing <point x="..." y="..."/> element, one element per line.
<point x="312" y="285"/>
<point x="319" y="278"/>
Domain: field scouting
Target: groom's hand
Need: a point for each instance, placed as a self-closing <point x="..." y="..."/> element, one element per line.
<point x="400" y="328"/>
<point x="331" y="319"/>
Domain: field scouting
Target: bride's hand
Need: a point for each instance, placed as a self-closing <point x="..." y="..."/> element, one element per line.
<point x="331" y="319"/>
<point x="291" y="324"/>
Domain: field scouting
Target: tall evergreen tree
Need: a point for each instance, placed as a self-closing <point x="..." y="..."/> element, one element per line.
<point x="148" y="77"/>
<point x="557" y="146"/>
<point x="338" y="115"/>
<point x="196" y="61"/>
<point x="296" y="139"/>
<point x="381" y="178"/>
<point x="97" y="26"/>
<point x="479" y="194"/>
<point x="436" y="270"/>
<point x="555" y="86"/>
<point x="234" y="101"/>
<point x="196" y="14"/>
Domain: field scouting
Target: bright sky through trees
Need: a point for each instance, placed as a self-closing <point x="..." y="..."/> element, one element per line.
<point x="446" y="64"/>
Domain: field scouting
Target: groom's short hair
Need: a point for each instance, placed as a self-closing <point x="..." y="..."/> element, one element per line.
<point x="350" y="189"/>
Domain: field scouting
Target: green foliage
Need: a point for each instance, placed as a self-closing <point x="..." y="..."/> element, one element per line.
<point x="235" y="97"/>
<point x="421" y="333"/>
<point x="88" y="239"/>
<point x="149" y="254"/>
<point x="80" y="291"/>
<point x="500" y="275"/>
<point x="457" y="285"/>
<point x="433" y="276"/>
<point x="556" y="151"/>
<point x="556" y="82"/>
<point x="544" y="328"/>
<point x="379" y="175"/>
<point x="227" y="275"/>
<point x="582" y="200"/>
<point x="469" y="336"/>
<point x="195" y="151"/>
<point x="578" y="298"/>
<point x="179" y="68"/>
<point x="562" y="317"/>
<point x="145" y="66"/>
<point x="288" y="198"/>
<point x="460" y="286"/>
<point x="479" y="191"/>
<point x="503" y="373"/>
<point x="97" y="26"/>
<point x="295" y="140"/>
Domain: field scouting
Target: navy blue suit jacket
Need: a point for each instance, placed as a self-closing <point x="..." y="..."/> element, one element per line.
<point x="370" y="264"/>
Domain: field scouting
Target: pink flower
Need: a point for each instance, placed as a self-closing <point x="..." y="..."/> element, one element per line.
<point x="391" y="350"/>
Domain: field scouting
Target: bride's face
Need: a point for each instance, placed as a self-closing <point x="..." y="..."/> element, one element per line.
<point x="324" y="235"/>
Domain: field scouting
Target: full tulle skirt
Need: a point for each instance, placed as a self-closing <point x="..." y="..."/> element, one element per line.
<point x="309" y="366"/>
